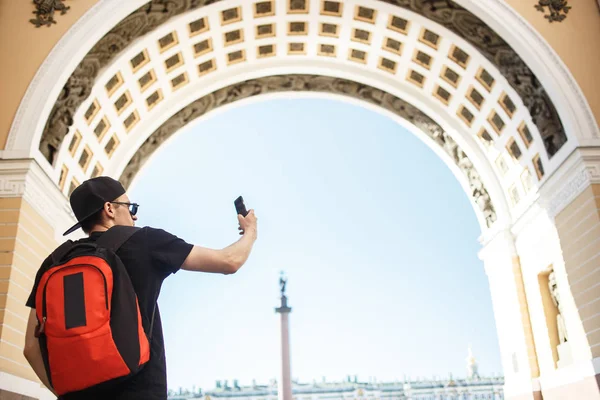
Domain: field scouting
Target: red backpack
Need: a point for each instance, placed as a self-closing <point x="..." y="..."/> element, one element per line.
<point x="89" y="324"/>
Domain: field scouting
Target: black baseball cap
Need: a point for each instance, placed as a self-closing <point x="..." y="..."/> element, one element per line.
<point x="89" y="198"/>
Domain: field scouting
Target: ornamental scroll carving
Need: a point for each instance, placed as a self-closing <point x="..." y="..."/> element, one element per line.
<point x="558" y="9"/>
<point x="312" y="83"/>
<point x="444" y="12"/>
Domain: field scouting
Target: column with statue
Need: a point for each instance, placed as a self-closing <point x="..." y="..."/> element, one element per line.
<point x="285" y="379"/>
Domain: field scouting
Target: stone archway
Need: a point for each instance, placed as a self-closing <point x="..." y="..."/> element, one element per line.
<point x="524" y="225"/>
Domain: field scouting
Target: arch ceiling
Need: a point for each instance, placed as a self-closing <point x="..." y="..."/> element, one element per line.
<point x="172" y="61"/>
<point x="446" y="13"/>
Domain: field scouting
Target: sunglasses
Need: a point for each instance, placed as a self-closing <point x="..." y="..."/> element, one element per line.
<point x="133" y="207"/>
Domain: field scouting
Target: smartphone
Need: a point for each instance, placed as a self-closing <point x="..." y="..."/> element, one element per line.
<point x="240" y="207"/>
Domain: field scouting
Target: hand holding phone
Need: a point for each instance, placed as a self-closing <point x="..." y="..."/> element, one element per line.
<point x="240" y="207"/>
<point x="246" y="218"/>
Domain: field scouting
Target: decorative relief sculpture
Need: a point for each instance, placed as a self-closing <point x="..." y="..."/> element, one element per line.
<point x="444" y="12"/>
<point x="558" y="9"/>
<point x="44" y="13"/>
<point x="555" y="295"/>
<point x="313" y="83"/>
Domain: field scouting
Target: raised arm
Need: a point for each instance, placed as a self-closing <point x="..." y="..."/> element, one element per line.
<point x="228" y="260"/>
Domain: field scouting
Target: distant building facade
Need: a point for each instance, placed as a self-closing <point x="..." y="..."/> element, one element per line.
<point x="446" y="389"/>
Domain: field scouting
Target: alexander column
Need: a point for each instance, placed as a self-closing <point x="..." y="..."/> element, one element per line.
<point x="285" y="380"/>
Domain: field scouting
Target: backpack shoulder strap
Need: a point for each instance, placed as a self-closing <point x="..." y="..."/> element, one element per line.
<point x="116" y="236"/>
<point x="61" y="251"/>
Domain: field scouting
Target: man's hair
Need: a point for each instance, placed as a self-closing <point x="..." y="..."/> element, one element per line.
<point x="89" y="223"/>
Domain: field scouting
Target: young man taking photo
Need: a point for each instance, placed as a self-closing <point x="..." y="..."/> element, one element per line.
<point x="149" y="255"/>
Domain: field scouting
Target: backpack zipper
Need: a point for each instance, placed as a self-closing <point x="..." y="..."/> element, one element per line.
<point x="44" y="311"/>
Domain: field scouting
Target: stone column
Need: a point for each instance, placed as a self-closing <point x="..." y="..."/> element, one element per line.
<point x="285" y="380"/>
<point x="517" y="348"/>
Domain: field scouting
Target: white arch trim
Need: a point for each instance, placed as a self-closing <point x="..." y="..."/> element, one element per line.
<point x="35" y="107"/>
<point x="426" y="104"/>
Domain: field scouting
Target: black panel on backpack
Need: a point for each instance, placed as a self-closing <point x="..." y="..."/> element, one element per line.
<point x="74" y="301"/>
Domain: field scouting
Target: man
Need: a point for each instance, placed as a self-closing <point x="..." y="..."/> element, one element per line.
<point x="149" y="256"/>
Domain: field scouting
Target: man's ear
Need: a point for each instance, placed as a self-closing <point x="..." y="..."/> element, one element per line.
<point x="109" y="209"/>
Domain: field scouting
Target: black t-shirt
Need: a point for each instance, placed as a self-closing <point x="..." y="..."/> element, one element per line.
<point x="149" y="256"/>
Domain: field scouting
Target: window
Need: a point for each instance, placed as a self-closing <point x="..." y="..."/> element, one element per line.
<point x="298" y="6"/>
<point x="123" y="102"/>
<point x="507" y="105"/>
<point x="398" y="24"/>
<point x="358" y="56"/>
<point x="264" y="9"/>
<point x="496" y="121"/>
<point x="73" y="186"/>
<point x="206" y="67"/>
<point x="75" y="140"/>
<point x="416" y="78"/>
<point x="423" y="59"/>
<point x="459" y="56"/>
<point x="327" y="50"/>
<point x="365" y="14"/>
<point x="296" y="48"/>
<point x="297" y="28"/>
<point x="179" y="81"/>
<point x="513" y="149"/>
<point x="91" y="112"/>
<point x="111" y="146"/>
<point x="97" y="171"/>
<point x="332" y="8"/>
<point x="131" y="120"/>
<point x="328" y="30"/>
<point x="154" y="99"/>
<point x="263" y="31"/>
<point x="139" y="60"/>
<point x="486" y="80"/>
<point x="203" y="47"/>
<point x="450" y="76"/>
<point x="64" y="171"/>
<point x="387" y="65"/>
<point x="231" y="15"/>
<point x="486" y="138"/>
<point x="539" y="167"/>
<point x="198" y="26"/>
<point x="173" y="62"/>
<point x="236" y="57"/>
<point x="266" y="51"/>
<point x="85" y="158"/>
<point x="475" y="97"/>
<point x="233" y="37"/>
<point x="168" y="41"/>
<point x="392" y="45"/>
<point x="442" y="94"/>
<point x="147" y="80"/>
<point x="429" y="38"/>
<point x="101" y="128"/>
<point x="466" y="115"/>
<point x="113" y="84"/>
<point x="525" y="134"/>
<point x="360" y="35"/>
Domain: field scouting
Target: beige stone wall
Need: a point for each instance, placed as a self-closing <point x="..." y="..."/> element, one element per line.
<point x="25" y="240"/>
<point x="578" y="226"/>
<point x="23" y="48"/>
<point x="575" y="40"/>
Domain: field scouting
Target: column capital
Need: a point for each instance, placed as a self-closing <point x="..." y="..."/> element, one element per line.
<point x="580" y="170"/>
<point x="25" y="178"/>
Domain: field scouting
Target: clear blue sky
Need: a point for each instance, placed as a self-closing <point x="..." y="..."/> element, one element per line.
<point x="376" y="236"/>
